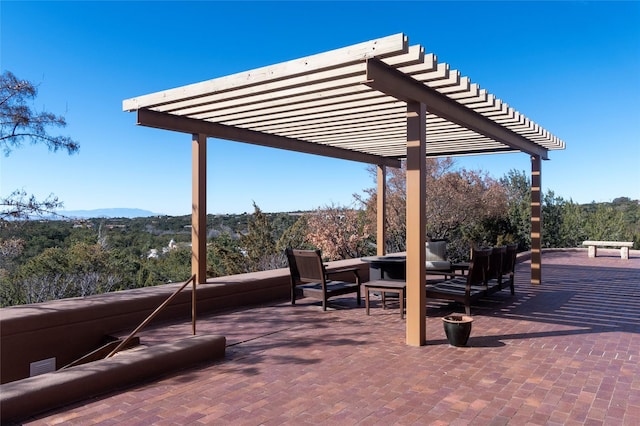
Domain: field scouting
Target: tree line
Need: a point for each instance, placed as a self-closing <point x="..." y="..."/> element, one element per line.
<point x="50" y="259"/>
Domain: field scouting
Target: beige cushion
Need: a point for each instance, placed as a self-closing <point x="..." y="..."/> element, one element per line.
<point x="436" y="250"/>
<point x="438" y="265"/>
<point x="436" y="256"/>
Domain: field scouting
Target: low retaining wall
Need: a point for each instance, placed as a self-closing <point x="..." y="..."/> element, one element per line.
<point x="24" y="398"/>
<point x="68" y="329"/>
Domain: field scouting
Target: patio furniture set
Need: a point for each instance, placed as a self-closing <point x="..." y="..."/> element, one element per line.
<point x="490" y="270"/>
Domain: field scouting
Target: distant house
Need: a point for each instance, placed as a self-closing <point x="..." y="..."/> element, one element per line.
<point x="154" y="254"/>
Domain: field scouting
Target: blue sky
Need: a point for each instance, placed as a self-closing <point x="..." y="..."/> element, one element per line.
<point x="572" y="67"/>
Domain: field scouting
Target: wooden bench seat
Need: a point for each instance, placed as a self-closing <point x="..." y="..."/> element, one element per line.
<point x="623" y="245"/>
<point x="489" y="271"/>
<point x="458" y="291"/>
<point x="502" y="263"/>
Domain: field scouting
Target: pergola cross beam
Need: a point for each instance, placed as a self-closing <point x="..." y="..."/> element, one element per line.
<point x="393" y="82"/>
<point x="160" y="120"/>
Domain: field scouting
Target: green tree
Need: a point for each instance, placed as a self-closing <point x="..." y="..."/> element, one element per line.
<point x="258" y="243"/>
<point x="57" y="273"/>
<point x="295" y="237"/>
<point x="631" y="212"/>
<point x="172" y="266"/>
<point x="224" y="257"/>
<point x="518" y="187"/>
<point x="605" y="223"/>
<point x="572" y="229"/>
<point x="552" y="219"/>
<point x="19" y="122"/>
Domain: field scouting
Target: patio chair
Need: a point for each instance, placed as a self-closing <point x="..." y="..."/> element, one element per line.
<point x="508" y="268"/>
<point x="467" y="288"/>
<point x="310" y="277"/>
<point x="495" y="269"/>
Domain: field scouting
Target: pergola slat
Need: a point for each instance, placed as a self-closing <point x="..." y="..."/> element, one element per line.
<point x="389" y="80"/>
<point x="382" y="47"/>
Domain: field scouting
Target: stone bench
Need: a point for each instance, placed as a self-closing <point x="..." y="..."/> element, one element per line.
<point x="623" y="245"/>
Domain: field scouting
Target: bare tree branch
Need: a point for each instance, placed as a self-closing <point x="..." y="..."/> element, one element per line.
<point x="18" y="122"/>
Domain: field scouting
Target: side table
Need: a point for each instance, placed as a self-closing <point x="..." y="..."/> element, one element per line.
<point x="386" y="286"/>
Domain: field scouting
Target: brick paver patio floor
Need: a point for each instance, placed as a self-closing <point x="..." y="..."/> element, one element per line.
<point x="564" y="353"/>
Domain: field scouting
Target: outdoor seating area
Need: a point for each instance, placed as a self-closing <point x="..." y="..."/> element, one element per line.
<point x="490" y="270"/>
<point x="295" y="106"/>
<point x="566" y="356"/>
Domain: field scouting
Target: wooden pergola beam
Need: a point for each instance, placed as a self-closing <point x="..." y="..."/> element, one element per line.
<point x="161" y="120"/>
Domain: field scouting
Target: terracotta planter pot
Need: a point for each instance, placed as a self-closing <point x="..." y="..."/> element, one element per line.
<point x="457" y="328"/>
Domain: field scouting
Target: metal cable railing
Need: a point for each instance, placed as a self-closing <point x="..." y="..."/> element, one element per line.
<point x="158" y="310"/>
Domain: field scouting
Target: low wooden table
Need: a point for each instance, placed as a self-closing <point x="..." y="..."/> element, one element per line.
<point x="386" y="286"/>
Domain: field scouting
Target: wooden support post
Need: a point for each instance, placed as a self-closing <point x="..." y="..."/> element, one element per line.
<point x="381" y="232"/>
<point x="199" y="207"/>
<point x="536" y="220"/>
<point x="416" y="226"/>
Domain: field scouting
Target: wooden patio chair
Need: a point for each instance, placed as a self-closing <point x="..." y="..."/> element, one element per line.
<point x="495" y="269"/>
<point x="468" y="288"/>
<point x="508" y="268"/>
<point x="309" y="276"/>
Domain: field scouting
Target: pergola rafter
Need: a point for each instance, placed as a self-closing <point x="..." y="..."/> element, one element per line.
<point x="377" y="102"/>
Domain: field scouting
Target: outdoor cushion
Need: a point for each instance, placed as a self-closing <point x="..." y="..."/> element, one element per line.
<point x="438" y="265"/>
<point x="436" y="256"/>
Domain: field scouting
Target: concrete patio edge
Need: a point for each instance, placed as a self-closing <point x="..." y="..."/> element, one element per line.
<point x="28" y="397"/>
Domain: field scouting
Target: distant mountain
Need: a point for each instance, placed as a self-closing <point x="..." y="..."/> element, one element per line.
<point x="115" y="212"/>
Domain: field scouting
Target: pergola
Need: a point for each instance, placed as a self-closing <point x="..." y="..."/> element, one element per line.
<point x="376" y="102"/>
